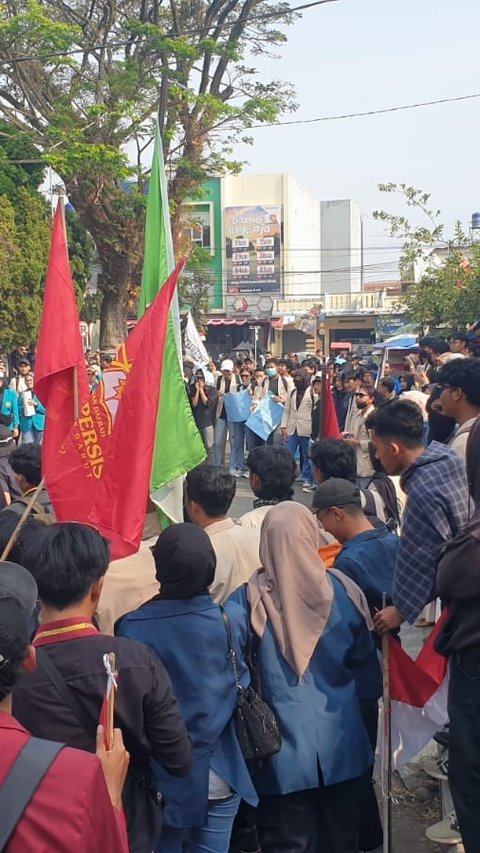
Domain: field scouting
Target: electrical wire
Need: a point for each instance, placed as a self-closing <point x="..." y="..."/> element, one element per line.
<point x="200" y="32"/>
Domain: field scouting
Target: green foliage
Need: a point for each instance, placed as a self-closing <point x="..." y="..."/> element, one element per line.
<point x="448" y="294"/>
<point x="106" y="71"/>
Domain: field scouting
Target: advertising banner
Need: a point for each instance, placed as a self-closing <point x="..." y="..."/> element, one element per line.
<point x="254" y="249"/>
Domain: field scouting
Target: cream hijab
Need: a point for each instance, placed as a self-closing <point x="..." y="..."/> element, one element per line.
<point x="292" y="590"/>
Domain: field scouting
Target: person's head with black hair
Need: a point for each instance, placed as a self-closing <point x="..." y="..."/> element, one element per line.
<point x="459" y="387"/>
<point x="386" y="389"/>
<point x="458" y="342"/>
<point x="440" y="428"/>
<point x="210" y="492"/>
<point x="353" y="379"/>
<point x="407" y="381"/>
<point x="18" y="597"/>
<point x="396" y="432"/>
<point x="26" y="463"/>
<point x="332" y="457"/>
<point x="27" y="541"/>
<point x="284" y="366"/>
<point x="272" y="473"/>
<point x="69" y="566"/>
<point x="433" y="347"/>
<point x="309" y="365"/>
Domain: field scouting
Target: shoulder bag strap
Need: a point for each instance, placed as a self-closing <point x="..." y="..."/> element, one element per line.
<point x="23" y="779"/>
<point x="66" y="693"/>
<point x="233" y="654"/>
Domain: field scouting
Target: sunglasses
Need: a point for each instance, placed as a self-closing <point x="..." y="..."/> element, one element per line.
<point x="361" y="394"/>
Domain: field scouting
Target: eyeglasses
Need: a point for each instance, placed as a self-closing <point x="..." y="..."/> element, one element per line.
<point x="361" y="394"/>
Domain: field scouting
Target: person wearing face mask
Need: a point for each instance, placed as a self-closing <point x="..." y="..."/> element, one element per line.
<point x="358" y="438"/>
<point x="296" y="424"/>
<point x="279" y="384"/>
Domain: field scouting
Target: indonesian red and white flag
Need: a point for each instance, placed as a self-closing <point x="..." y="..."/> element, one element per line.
<point x="418" y="696"/>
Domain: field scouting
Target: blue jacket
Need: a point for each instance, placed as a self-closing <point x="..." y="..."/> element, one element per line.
<point x="37" y="420"/>
<point x="323" y="735"/>
<point x="190" y="639"/>
<point x="369" y="560"/>
<point x="10" y="407"/>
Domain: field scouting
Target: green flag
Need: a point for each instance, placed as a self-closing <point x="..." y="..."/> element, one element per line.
<point x="178" y="445"/>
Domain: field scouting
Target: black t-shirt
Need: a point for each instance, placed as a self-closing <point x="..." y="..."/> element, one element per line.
<point x="228" y="382"/>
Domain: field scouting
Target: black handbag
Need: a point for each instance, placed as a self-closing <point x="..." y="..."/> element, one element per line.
<point x="256" y="725"/>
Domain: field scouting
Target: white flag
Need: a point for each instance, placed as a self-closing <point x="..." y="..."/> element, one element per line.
<point x="193" y="344"/>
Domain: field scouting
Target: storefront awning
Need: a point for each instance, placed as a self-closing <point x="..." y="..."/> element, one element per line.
<point x="226" y="322"/>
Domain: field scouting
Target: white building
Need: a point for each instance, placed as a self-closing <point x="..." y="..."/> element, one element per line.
<point x="341" y="246"/>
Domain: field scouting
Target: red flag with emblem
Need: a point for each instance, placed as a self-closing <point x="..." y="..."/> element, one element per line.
<point x="101" y="475"/>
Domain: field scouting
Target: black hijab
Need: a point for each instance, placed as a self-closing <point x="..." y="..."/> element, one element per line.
<point x="185" y="561"/>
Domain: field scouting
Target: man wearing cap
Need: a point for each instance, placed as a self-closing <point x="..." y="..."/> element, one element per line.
<point x="74" y="806"/>
<point x="369" y="553"/>
<point x="18" y="383"/>
<point x="226" y="384"/>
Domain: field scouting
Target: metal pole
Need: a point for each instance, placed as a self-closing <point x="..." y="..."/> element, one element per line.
<point x="387" y="743"/>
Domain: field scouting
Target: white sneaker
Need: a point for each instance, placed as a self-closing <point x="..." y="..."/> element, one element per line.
<point x="442" y="832"/>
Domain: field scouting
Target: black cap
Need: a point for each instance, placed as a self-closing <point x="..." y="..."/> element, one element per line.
<point x="7" y="443"/>
<point x="18" y="598"/>
<point x="336" y="492"/>
<point x="23" y="361"/>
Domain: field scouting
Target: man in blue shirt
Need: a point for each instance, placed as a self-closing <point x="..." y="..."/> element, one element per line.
<point x="369" y="553"/>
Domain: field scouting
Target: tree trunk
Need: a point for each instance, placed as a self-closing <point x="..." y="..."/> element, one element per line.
<point x="113" y="321"/>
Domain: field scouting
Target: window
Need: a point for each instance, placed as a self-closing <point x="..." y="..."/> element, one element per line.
<point x="198" y="226"/>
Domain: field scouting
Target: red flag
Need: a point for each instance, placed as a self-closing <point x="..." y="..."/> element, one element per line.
<point x="60" y="360"/>
<point x="418" y="694"/>
<point x="102" y="474"/>
<point x="330" y="428"/>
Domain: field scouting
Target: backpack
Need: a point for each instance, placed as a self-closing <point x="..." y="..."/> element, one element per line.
<point x="38" y="511"/>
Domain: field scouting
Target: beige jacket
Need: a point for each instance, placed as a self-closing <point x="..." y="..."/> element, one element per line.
<point x="360" y="432"/>
<point x="234" y="386"/>
<point x="237" y="556"/>
<point x="298" y="420"/>
<point x="129" y="582"/>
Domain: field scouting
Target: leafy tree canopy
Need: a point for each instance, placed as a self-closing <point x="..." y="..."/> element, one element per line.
<point x="83" y="80"/>
<point x="447" y="296"/>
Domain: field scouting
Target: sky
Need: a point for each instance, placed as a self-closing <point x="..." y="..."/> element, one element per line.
<point x="357" y="55"/>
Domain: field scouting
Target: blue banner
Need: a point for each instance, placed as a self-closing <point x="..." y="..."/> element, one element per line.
<point x="238" y="406"/>
<point x="266" y="418"/>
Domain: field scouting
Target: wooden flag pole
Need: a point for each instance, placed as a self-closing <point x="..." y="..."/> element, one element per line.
<point x="22" y="520"/>
<point x="387" y="743"/>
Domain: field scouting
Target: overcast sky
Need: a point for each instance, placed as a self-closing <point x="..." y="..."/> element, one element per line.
<point x="357" y="55"/>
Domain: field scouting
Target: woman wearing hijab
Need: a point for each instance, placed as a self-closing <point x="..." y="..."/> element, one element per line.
<point x="316" y="660"/>
<point x="185" y="628"/>
<point x="296" y="426"/>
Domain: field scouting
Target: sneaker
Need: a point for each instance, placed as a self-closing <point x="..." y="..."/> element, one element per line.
<point x="307" y="487"/>
<point x="235" y="472"/>
<point x="443" y="833"/>
<point x="246" y="474"/>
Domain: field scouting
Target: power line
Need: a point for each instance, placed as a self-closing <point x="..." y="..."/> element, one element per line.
<point x="367" y="112"/>
<point x="194" y="32"/>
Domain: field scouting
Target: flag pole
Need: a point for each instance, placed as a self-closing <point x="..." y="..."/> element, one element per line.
<point x="22" y="520"/>
<point x="61" y="204"/>
<point x="387" y="743"/>
<point x="322" y="404"/>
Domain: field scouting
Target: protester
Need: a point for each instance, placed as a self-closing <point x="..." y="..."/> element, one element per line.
<point x="9" y="415"/>
<point x="409" y="391"/>
<point x="31" y="414"/>
<point x="315" y="654"/>
<point x="458" y="582"/>
<point x="459" y="387"/>
<point x="9" y="487"/>
<point x="204" y="400"/>
<point x="341" y="400"/>
<point x="20" y="352"/>
<point x="226" y="384"/>
<point x="352" y="379"/>
<point x="296" y="424"/>
<point x="278" y="383"/>
<point x="358" y="436"/>
<point x="437" y="505"/>
<point x="76" y="804"/>
<point x="272" y="475"/>
<point x="18" y="383"/>
<point x="131" y="581"/>
<point x="26" y="463"/>
<point x="368" y="554"/>
<point x="69" y="564"/>
<point x="458" y="343"/>
<point x="386" y="390"/>
<point x="210" y="492"/>
<point x="389" y="374"/>
<point x="185" y="628"/>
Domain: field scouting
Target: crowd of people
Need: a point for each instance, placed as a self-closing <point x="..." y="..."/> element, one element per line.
<point x="287" y="601"/>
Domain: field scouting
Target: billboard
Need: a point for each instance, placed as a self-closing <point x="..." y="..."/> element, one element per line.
<point x="253" y="238"/>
